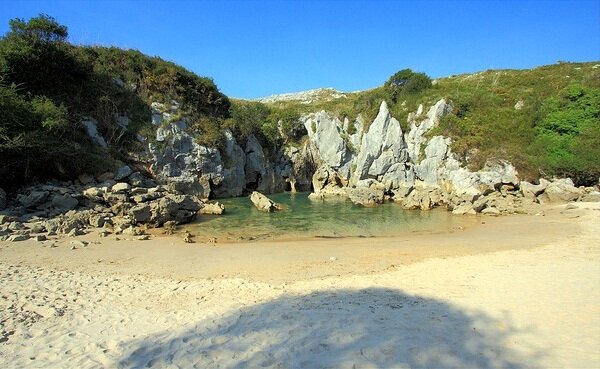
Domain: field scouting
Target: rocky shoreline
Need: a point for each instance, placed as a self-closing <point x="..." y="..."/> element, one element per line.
<point x="367" y="164"/>
<point x="124" y="202"/>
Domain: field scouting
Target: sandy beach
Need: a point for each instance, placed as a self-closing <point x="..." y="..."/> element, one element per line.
<point x="501" y="292"/>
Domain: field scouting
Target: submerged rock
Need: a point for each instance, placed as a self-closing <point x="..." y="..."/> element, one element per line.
<point x="263" y="203"/>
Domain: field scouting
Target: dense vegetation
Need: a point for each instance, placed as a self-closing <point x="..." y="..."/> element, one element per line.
<point x="48" y="85"/>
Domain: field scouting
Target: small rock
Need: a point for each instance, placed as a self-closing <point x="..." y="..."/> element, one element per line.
<point x="121" y="187"/>
<point x="14" y="226"/>
<point x="34" y="198"/>
<point x="64" y="202"/>
<point x="333" y="258"/>
<point x="143" y="237"/>
<point x="37" y="228"/>
<point x="75" y="232"/>
<point x="78" y="243"/>
<point x="571" y="207"/>
<point x="491" y="211"/>
<point x="5" y="219"/>
<point x="18" y="237"/>
<point x="40" y="238"/>
<point x="123" y="172"/>
<point x="188" y="237"/>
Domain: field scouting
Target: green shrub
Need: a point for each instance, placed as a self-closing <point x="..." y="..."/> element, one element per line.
<point x="406" y="82"/>
<point x="566" y="141"/>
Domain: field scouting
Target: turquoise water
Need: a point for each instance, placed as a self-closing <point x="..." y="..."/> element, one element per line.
<point x="303" y="218"/>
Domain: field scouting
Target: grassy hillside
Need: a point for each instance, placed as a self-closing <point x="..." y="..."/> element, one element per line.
<point x="555" y="129"/>
<point x="48" y="85"/>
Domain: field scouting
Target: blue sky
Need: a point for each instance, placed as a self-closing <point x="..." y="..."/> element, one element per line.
<point x="257" y="48"/>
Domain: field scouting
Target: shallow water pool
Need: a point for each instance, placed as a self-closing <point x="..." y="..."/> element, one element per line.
<point x="303" y="218"/>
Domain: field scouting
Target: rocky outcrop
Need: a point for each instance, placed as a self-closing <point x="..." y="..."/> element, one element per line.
<point x="263" y="203"/>
<point x="232" y="177"/>
<point x="420" y="125"/>
<point x="213" y="208"/>
<point x="327" y="135"/>
<point x="327" y="182"/>
<point x="366" y="196"/>
<point x="179" y="161"/>
<point x="184" y="164"/>
<point x="560" y="191"/>
<point x="73" y="209"/>
<point x="418" y="170"/>
<point x="381" y="147"/>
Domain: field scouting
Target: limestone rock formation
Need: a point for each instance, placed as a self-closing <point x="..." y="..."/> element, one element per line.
<point x="189" y="166"/>
<point x="381" y="147"/>
<point x="327" y="182"/>
<point x="213" y="208"/>
<point x="233" y="179"/>
<point x="263" y="203"/>
<point x="561" y="190"/>
<point x="366" y="196"/>
<point x="326" y="133"/>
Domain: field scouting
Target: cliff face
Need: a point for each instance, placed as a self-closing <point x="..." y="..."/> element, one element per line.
<point x="413" y="167"/>
<point x="235" y="169"/>
<point x="367" y="163"/>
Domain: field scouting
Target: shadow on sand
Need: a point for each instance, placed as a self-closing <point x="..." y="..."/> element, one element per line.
<point x="367" y="328"/>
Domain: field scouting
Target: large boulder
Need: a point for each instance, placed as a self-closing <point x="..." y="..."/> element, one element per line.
<point x="327" y="182"/>
<point x="532" y="191"/>
<point x="561" y="190"/>
<point x="590" y="195"/>
<point x="33" y="199"/>
<point x="263" y="203"/>
<point x="64" y="203"/>
<point x="178" y="208"/>
<point x="213" y="208"/>
<point x="123" y="172"/>
<point x="421" y="197"/>
<point x="497" y="173"/>
<point x="366" y="196"/>
<point x="141" y="213"/>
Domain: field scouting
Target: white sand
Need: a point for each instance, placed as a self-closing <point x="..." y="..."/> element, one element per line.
<point x="521" y="308"/>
